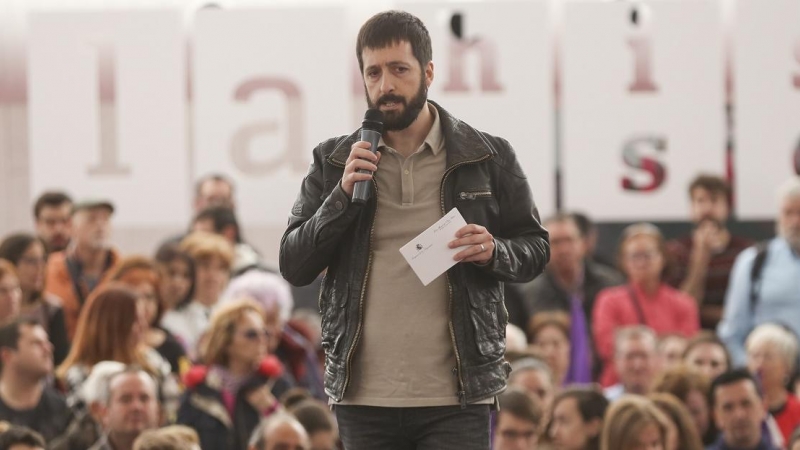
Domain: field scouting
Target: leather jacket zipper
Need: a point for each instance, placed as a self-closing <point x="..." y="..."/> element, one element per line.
<point x="473" y="195"/>
<point x="357" y="337"/>
<point x="462" y="395"/>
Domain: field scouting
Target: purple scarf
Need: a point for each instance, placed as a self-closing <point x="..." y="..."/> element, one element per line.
<point x="580" y="364"/>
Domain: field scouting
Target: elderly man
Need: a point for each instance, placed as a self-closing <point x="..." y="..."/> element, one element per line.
<point x="636" y="361"/>
<point x="280" y="431"/>
<point x="73" y="274"/>
<point x="130" y="407"/>
<point x="763" y="285"/>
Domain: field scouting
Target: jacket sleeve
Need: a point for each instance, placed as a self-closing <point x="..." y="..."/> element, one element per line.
<point x="736" y="320"/>
<point x="316" y="225"/>
<point x="522" y="246"/>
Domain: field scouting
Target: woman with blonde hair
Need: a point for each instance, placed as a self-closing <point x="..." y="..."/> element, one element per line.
<point x="634" y="423"/>
<point x="240" y="382"/>
<point x="682" y="434"/>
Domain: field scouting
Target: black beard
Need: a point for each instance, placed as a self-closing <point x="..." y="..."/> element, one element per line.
<point x="396" y="121"/>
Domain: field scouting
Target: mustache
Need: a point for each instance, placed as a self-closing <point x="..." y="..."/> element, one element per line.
<point x="391" y="98"/>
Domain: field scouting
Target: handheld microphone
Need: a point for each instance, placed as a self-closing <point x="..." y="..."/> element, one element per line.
<point x="371" y="129"/>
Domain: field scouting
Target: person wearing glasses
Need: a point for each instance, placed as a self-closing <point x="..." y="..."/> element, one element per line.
<point x="644" y="300"/>
<point x="28" y="255"/>
<point x="239" y="384"/>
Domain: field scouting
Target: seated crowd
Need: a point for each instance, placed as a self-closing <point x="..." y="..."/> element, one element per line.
<point x="684" y="344"/>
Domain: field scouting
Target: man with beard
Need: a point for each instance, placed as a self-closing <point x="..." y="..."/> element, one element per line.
<point x="52" y="214"/>
<point x="771" y="293"/>
<point x="407" y="365"/>
<point x="75" y="272"/>
<point x="704" y="259"/>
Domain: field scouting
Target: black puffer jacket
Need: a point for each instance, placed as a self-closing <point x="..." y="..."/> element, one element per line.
<point x="485" y="182"/>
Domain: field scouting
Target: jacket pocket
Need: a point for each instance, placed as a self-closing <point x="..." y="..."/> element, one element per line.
<point x="333" y="308"/>
<point x="477" y="205"/>
<point x="489" y="318"/>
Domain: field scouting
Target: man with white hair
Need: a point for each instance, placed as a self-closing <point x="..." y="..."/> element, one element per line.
<point x="280" y="431"/>
<point x="764" y="284"/>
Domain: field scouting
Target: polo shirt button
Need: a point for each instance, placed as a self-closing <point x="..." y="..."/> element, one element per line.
<point x="406" y="172"/>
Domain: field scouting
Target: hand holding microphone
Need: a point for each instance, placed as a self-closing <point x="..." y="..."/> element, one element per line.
<point x="363" y="159"/>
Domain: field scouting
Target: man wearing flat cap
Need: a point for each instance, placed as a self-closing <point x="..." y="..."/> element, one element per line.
<point x="74" y="273"/>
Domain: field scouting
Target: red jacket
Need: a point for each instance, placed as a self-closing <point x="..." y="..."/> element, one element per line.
<point x="668" y="311"/>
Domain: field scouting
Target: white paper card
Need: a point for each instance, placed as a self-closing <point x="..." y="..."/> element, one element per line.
<point x="428" y="254"/>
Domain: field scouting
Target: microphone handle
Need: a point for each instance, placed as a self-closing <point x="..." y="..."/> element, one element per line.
<point x="361" y="190"/>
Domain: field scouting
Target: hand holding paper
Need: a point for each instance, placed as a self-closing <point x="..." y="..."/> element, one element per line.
<point x="445" y="243"/>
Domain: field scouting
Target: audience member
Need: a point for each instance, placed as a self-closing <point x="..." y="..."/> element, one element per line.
<point x="670" y="350"/>
<point x="275" y="297"/>
<point x="52" y="214"/>
<point x="576" y="420"/>
<point x="111" y="328"/>
<point x="318" y="422"/>
<point x="21" y="438"/>
<point x="213" y="190"/>
<point x="739" y="411"/>
<point x="27" y="253"/>
<point x="87" y="403"/>
<point x="174" y="437"/>
<point x="703" y="259"/>
<point x="535" y="377"/>
<point x="518" y="422"/>
<point x="212" y="256"/>
<point x="75" y="272"/>
<point x="222" y="220"/>
<point x="279" y="432"/>
<point x="516" y="341"/>
<point x="570" y="284"/>
<point x="225" y="399"/>
<point x="176" y="284"/>
<point x="130" y="407"/>
<point x="549" y="337"/>
<point x="681" y="431"/>
<point x="634" y="423"/>
<point x="141" y="275"/>
<point x="26" y="362"/>
<point x="692" y="388"/>
<point x="706" y="353"/>
<point x="645" y="300"/>
<point x="635" y="360"/>
<point x="772" y="358"/>
<point x="770" y="293"/>
<point x="10" y="292"/>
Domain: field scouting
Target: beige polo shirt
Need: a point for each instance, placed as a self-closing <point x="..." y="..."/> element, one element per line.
<point x="405" y="357"/>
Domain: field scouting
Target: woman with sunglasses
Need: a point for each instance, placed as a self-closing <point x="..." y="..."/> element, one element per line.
<point x="240" y="382"/>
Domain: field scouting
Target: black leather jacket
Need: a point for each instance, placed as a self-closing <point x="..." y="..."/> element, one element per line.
<point x="485" y="182"/>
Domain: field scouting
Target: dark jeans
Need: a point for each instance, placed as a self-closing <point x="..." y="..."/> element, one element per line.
<point x="430" y="428"/>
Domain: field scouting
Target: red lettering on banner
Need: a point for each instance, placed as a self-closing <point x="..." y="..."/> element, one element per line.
<point x="241" y="143"/>
<point x="642" y="48"/>
<point x="458" y="49"/>
<point x="632" y="156"/>
<point x="109" y="163"/>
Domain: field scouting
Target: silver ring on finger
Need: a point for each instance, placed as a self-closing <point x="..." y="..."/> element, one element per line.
<point x="483" y="249"/>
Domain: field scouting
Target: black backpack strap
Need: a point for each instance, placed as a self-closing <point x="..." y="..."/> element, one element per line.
<point x="755" y="273"/>
<point x="635" y="300"/>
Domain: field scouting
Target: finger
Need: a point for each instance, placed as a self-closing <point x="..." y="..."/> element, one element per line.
<point x="480" y="252"/>
<point x="470" y="229"/>
<point x="358" y="164"/>
<point x="472" y="239"/>
<point x="361" y="152"/>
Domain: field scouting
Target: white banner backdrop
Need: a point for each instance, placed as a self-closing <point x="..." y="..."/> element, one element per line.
<point x="107" y="110"/>
<point x="493" y="69"/>
<point x="269" y="85"/>
<point x="767" y="88"/>
<point x="643" y="106"/>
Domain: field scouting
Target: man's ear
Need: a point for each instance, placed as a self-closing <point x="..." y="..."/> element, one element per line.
<point x="429" y="73"/>
<point x="98" y="411"/>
